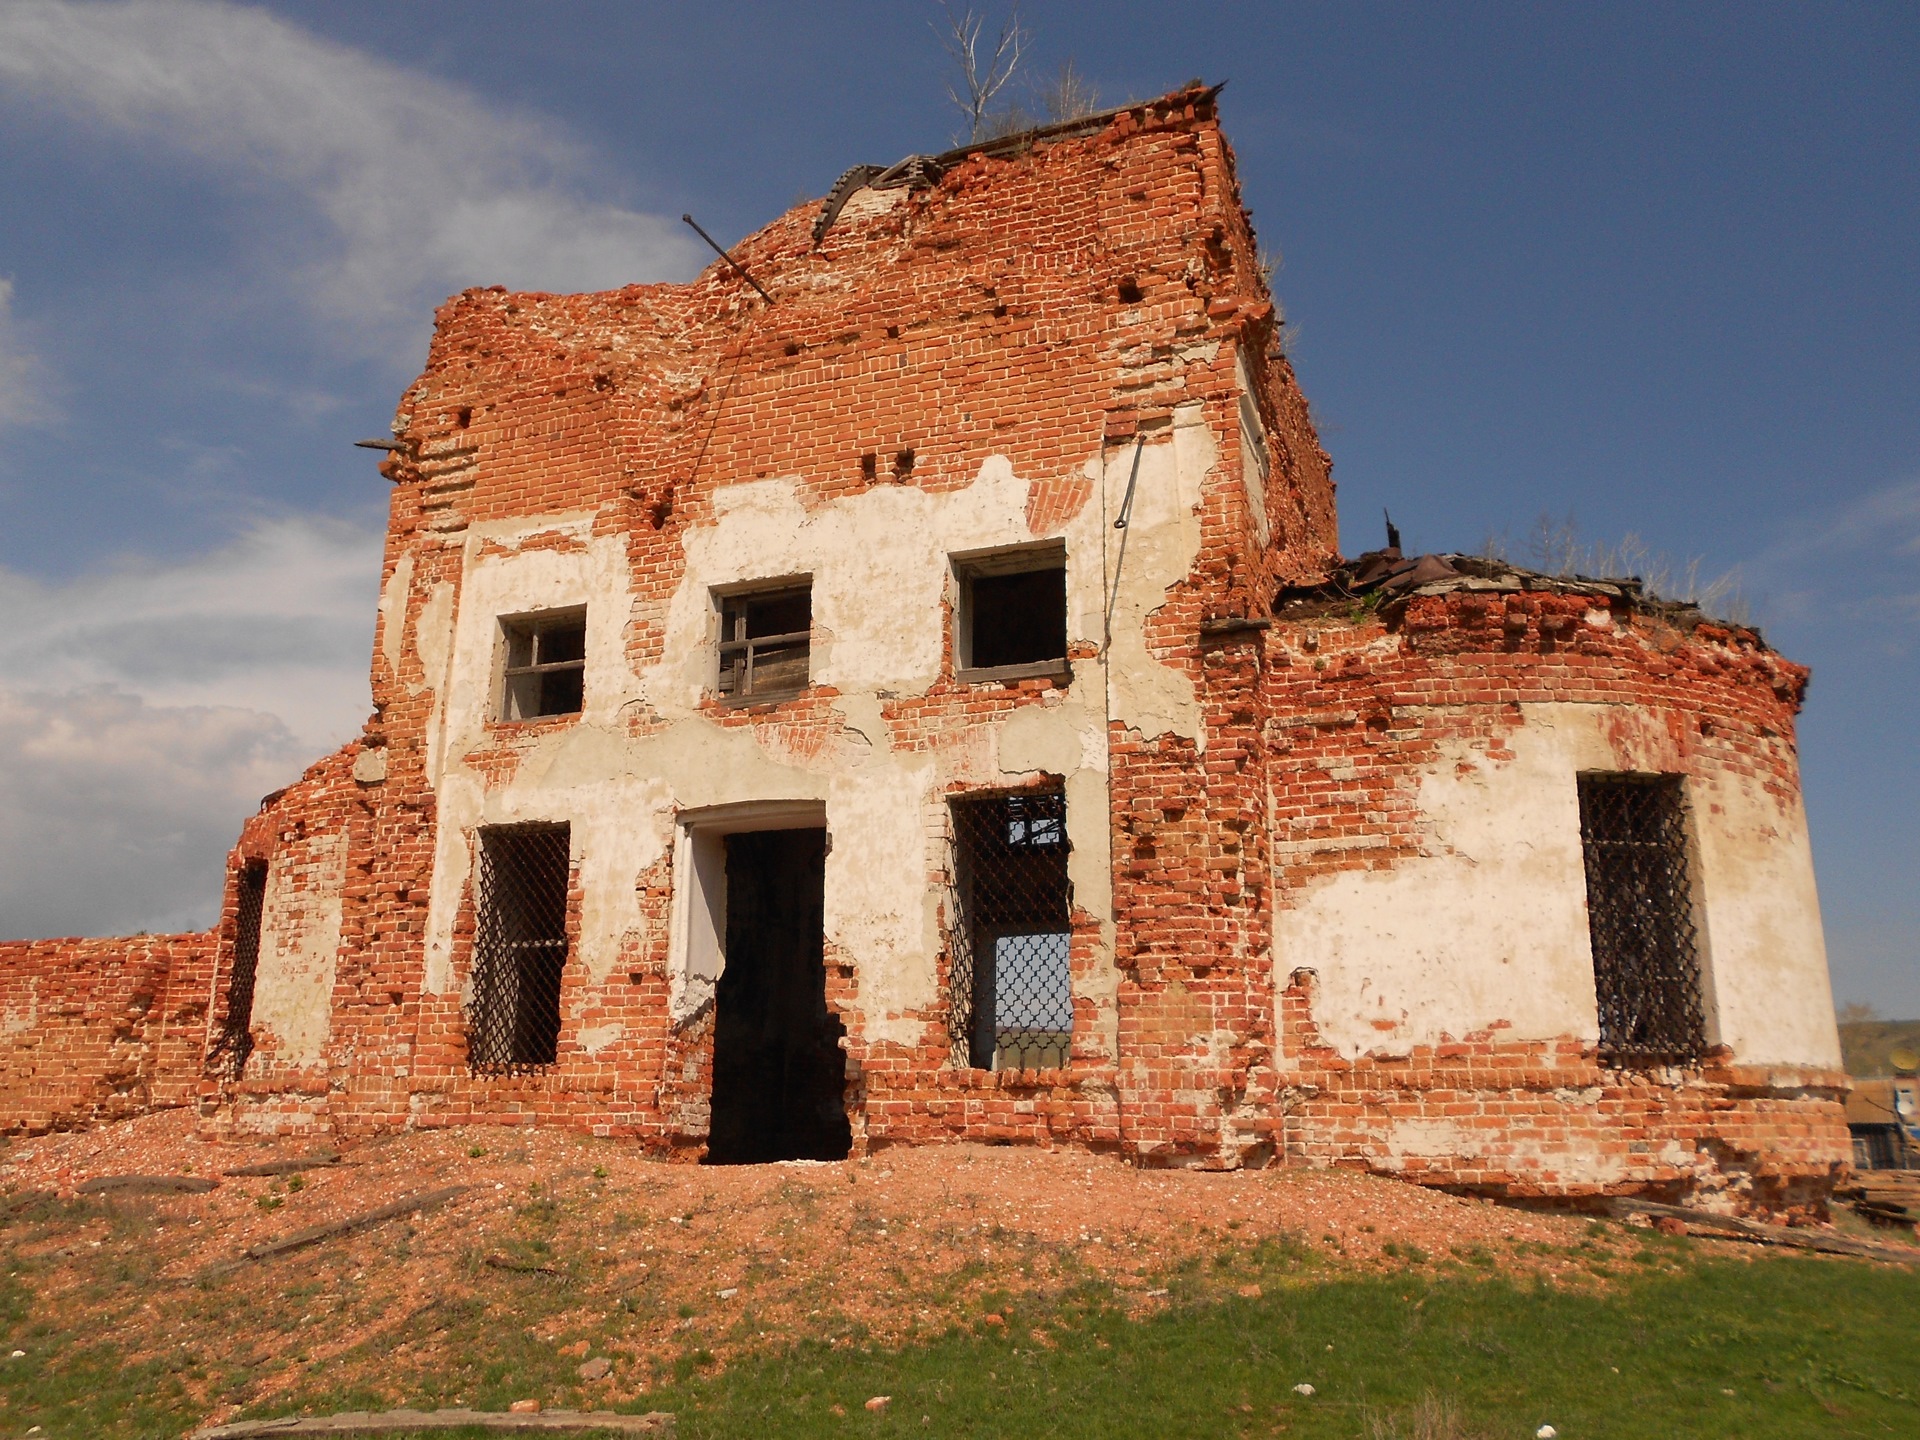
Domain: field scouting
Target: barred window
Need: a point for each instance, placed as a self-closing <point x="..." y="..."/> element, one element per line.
<point x="519" y="948"/>
<point x="546" y="665"/>
<point x="765" y="643"/>
<point x="1011" y="986"/>
<point x="1646" y="966"/>
<point x="234" y="1044"/>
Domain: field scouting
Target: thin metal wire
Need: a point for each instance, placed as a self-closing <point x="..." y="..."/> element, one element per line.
<point x="519" y="949"/>
<point x="230" y="1052"/>
<point x="1011" y="984"/>
<point x="1646" y="964"/>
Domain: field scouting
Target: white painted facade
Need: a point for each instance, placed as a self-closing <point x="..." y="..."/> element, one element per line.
<point x="1487" y="928"/>
<point x="880" y="566"/>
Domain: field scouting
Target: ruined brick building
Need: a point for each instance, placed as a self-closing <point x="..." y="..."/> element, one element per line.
<point x="931" y="706"/>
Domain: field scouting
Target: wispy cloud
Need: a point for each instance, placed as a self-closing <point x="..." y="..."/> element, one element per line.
<point x="119" y="813"/>
<point x="24" y="395"/>
<point x="146" y="708"/>
<point x="406" y="186"/>
<point x="280" y="622"/>
<point x="1858" y="562"/>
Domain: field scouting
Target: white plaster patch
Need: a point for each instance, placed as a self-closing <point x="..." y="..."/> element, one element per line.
<point x="393" y="612"/>
<point x="300" y="947"/>
<point x="1489" y="926"/>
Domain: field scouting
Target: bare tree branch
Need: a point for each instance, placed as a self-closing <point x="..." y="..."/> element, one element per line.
<point x="1068" y="96"/>
<point x="984" y="73"/>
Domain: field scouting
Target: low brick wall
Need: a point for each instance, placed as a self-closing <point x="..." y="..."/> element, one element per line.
<point x="99" y="1030"/>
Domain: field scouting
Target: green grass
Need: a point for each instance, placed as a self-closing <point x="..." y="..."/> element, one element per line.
<point x="1807" y="1348"/>
<point x="1444" y="1349"/>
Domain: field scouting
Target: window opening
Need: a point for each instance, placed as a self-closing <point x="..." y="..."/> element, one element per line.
<point x="1646" y="966"/>
<point x="234" y="1045"/>
<point x="1011" y="985"/>
<point x="765" y="640"/>
<point x="1013" y="615"/>
<point x="519" y="948"/>
<point x="546" y="665"/>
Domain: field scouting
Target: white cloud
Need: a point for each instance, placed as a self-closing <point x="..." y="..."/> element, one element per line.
<point x="418" y="186"/>
<point x="145" y="709"/>
<point x="1858" y="564"/>
<point x="279" y="622"/>
<point x="116" y="815"/>
<point x="23" y="382"/>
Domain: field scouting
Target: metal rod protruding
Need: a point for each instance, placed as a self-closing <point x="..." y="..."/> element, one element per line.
<point x="728" y="258"/>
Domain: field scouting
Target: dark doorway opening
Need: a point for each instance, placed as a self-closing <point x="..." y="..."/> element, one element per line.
<point x="779" y="1075"/>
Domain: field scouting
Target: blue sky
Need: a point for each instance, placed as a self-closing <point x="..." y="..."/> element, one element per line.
<point x="1654" y="268"/>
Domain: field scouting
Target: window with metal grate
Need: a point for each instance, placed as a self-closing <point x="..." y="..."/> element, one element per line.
<point x="234" y="1044"/>
<point x="519" y="948"/>
<point x="1011" y="985"/>
<point x="1646" y="965"/>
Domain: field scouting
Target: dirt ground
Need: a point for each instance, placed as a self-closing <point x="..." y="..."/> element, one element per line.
<point x="585" y="1249"/>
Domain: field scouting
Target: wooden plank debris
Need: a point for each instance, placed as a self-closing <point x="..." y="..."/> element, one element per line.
<point x="499" y="1260"/>
<point x="1731" y="1227"/>
<point x="315" y="1234"/>
<point x="291" y="1166"/>
<point x="146" y="1185"/>
<point x="392" y="1210"/>
<point x="387" y="1422"/>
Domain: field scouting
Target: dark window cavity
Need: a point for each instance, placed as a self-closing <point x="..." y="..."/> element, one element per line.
<point x="765" y="637"/>
<point x="234" y="1044"/>
<point x="519" y="948"/>
<point x="1646" y="966"/>
<point x="1013" y="614"/>
<point x="1011" y="985"/>
<point x="546" y="665"/>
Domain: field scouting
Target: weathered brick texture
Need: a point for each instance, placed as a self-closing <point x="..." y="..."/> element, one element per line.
<point x="1056" y="325"/>
<point x="100" y="1030"/>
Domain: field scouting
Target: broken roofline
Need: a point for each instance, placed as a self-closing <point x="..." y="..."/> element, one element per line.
<point x="927" y="169"/>
<point x="1394" y="578"/>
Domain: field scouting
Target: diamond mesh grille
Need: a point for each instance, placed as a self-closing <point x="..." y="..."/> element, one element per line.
<point x="1012" y="987"/>
<point x="519" y="949"/>
<point x="1646" y="967"/>
<point x="234" y="1044"/>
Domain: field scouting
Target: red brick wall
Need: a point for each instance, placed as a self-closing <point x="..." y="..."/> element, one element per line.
<point x="100" y="1030"/>
<point x="1360" y="707"/>
<point x="981" y="317"/>
<point x="993" y="314"/>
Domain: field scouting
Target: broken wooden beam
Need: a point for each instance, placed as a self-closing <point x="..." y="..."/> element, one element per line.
<point x="314" y="1234"/>
<point x="392" y="1210"/>
<point x="293" y="1166"/>
<point x="1732" y="1227"/>
<point x="387" y="1422"/>
<point x="145" y="1185"/>
<point x="497" y="1260"/>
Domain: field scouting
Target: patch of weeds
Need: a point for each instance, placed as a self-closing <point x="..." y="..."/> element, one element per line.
<point x="475" y="1152"/>
<point x="1400" y="1250"/>
<point x="295" y="1184"/>
<point x="1431" y="1417"/>
<point x="270" y="1203"/>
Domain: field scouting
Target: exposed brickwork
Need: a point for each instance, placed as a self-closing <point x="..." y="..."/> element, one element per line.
<point x="1360" y="709"/>
<point x="1055" y="309"/>
<point x="100" y="1030"/>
